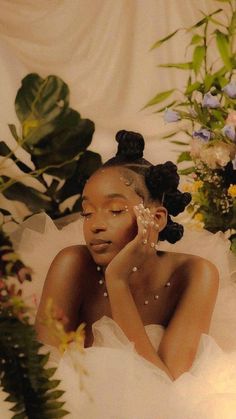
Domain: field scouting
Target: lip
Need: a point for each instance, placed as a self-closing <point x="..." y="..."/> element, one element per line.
<point x="99" y="245"/>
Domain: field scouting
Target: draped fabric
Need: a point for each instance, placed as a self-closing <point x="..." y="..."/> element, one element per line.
<point x="101" y="49"/>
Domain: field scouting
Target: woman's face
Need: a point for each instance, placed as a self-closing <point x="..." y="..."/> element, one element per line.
<point x="109" y="219"/>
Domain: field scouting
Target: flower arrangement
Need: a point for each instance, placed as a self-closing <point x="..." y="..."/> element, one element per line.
<point x="205" y="114"/>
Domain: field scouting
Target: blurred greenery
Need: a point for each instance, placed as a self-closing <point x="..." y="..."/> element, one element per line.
<point x="56" y="138"/>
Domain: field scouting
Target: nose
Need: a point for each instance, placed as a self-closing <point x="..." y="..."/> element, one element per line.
<point x="98" y="224"/>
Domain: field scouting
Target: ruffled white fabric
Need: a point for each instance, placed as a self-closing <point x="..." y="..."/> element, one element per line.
<point x="120" y="384"/>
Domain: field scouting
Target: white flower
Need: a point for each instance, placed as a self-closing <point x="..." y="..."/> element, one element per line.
<point x="195" y="147"/>
<point x="217" y="155"/>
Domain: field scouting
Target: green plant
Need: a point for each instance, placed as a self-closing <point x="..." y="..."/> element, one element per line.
<point x="23" y="369"/>
<point x="56" y="138"/>
<point x="208" y="107"/>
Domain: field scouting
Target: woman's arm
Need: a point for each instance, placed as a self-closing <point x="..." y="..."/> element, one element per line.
<point x="126" y="315"/>
<point x="63" y="285"/>
<point x="191" y="318"/>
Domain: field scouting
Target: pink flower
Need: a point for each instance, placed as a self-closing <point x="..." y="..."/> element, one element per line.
<point x="231" y="120"/>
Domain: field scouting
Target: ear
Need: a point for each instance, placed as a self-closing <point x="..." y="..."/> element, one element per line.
<point x="160" y="215"/>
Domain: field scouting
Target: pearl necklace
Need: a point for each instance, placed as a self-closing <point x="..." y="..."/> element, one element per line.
<point x="155" y="297"/>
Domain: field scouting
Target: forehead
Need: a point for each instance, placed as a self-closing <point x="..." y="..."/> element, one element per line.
<point x="113" y="180"/>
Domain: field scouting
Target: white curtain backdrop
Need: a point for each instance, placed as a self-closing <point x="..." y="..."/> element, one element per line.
<point x="101" y="49"/>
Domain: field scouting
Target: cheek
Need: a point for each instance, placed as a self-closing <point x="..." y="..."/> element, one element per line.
<point x="127" y="230"/>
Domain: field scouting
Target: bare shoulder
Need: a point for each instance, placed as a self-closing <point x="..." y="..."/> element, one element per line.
<point x="201" y="270"/>
<point x="76" y="256"/>
<point x="193" y="267"/>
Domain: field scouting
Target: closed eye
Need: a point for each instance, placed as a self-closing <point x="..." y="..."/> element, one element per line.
<point x="86" y="214"/>
<point x="117" y="211"/>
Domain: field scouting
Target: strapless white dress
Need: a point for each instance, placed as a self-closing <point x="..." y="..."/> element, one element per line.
<point x="122" y="385"/>
<point x="119" y="383"/>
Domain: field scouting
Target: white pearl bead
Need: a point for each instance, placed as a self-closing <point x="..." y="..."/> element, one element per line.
<point x="156" y="297"/>
<point x="134" y="269"/>
<point x="105" y="294"/>
<point x="168" y="284"/>
<point x="98" y="268"/>
<point x="101" y="281"/>
<point x="146" y="302"/>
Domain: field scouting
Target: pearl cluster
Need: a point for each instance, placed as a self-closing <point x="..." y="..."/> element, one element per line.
<point x="134" y="269"/>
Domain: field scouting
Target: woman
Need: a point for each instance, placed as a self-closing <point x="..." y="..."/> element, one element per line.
<point x="121" y="274"/>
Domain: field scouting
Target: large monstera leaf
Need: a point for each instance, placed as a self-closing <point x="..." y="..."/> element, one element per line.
<point x="56" y="137"/>
<point x="52" y="133"/>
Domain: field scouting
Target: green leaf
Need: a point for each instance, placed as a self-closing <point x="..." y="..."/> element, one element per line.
<point x="169" y="105"/>
<point x="198" y="57"/>
<point x="20" y="416"/>
<point x="53" y="395"/>
<point x="208" y="81"/>
<point x="165" y="137"/>
<point x="196" y="39"/>
<point x="184" y="156"/>
<point x="160" y="97"/>
<point x="232" y="26"/>
<point x="180" y="66"/>
<point x="222" y="42"/>
<point x="39" y="98"/>
<point x="166" y="38"/>
<point x="193" y="87"/>
<point x="5" y="151"/>
<point x="12" y="128"/>
<point x="233" y="243"/>
<point x="204" y="20"/>
<point x="179" y="142"/>
<point x="187" y="171"/>
<point x="59" y="414"/>
<point x="36" y="201"/>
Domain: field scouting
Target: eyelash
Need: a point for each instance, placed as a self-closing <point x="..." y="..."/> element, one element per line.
<point x="88" y="214"/>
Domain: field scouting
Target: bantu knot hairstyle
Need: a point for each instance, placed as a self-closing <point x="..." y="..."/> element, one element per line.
<point x="128" y="149"/>
<point x="161" y="180"/>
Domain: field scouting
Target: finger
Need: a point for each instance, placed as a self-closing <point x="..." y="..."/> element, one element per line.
<point x="142" y="225"/>
<point x="150" y="229"/>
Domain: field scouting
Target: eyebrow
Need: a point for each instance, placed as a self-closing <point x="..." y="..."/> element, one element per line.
<point x="112" y="195"/>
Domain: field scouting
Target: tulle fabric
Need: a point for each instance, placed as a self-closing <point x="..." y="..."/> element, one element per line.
<point x="122" y="385"/>
<point x="119" y="384"/>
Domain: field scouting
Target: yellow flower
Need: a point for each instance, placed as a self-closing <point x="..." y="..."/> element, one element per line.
<point x="198" y="217"/>
<point x="197" y="185"/>
<point x="193" y="186"/>
<point x="187" y="187"/>
<point x="232" y="191"/>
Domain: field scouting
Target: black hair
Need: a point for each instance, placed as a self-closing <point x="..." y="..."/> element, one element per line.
<point x="161" y="180"/>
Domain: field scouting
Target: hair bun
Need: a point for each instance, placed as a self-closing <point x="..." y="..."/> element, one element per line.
<point x="162" y="178"/>
<point x="176" y="202"/>
<point x="130" y="145"/>
<point x="172" y="232"/>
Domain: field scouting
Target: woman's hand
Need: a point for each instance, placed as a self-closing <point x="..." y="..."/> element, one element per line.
<point x="137" y="251"/>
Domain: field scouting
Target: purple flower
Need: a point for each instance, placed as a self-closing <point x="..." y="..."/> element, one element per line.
<point x="202" y="134"/>
<point x="210" y="101"/>
<point x="229" y="131"/>
<point x="171" y="116"/>
<point x="230" y="89"/>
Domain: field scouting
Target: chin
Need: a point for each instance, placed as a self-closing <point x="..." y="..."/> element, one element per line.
<point x="102" y="259"/>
